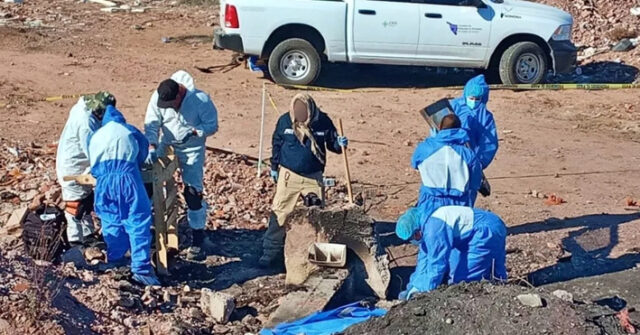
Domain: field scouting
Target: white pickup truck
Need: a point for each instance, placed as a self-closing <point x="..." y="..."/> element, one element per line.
<point x="518" y="40"/>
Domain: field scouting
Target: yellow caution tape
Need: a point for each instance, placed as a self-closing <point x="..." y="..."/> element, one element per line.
<point x="516" y="87"/>
<point x="62" y="97"/>
<point x="273" y="103"/>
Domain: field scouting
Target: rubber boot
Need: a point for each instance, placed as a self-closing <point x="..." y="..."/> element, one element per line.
<point x="195" y="252"/>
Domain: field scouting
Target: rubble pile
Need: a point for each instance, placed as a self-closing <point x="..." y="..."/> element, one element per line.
<point x="27" y="176"/>
<point x="238" y="198"/>
<point x="600" y="22"/>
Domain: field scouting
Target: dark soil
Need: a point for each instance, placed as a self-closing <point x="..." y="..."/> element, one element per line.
<point x="482" y="308"/>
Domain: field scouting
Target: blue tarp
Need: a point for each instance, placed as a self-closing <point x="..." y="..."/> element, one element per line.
<point x="327" y="323"/>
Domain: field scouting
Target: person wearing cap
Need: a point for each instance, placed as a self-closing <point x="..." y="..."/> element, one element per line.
<point x="181" y="116"/>
<point x="117" y="152"/>
<point x="450" y="172"/>
<point x="468" y="243"/>
<point x="72" y="158"/>
<point x="300" y="142"/>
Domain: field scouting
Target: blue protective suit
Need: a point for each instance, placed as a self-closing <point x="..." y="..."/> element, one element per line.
<point x="169" y="127"/>
<point x="117" y="151"/>
<point x="469" y="242"/>
<point x="478" y="121"/>
<point x="450" y="173"/>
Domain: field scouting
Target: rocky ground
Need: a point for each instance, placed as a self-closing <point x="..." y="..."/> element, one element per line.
<point x="582" y="146"/>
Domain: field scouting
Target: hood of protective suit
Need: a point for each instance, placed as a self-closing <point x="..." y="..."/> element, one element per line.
<point x="457" y="136"/>
<point x="112" y="114"/>
<point x="477" y="87"/>
<point x="185" y="79"/>
<point x="452" y="136"/>
<point x="408" y="223"/>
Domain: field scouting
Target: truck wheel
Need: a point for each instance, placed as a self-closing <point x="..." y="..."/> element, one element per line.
<point x="523" y="63"/>
<point x="294" y="62"/>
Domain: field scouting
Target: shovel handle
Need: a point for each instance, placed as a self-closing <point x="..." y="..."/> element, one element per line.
<point x="346" y="164"/>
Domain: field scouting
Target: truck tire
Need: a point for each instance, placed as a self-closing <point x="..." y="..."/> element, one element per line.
<point x="294" y="62"/>
<point x="523" y="63"/>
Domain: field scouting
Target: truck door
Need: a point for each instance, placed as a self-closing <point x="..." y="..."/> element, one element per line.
<point x="454" y="32"/>
<point x="385" y="31"/>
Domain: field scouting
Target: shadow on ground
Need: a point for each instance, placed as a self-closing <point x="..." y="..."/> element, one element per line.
<point x="590" y="247"/>
<point x="355" y="76"/>
<point x="232" y="258"/>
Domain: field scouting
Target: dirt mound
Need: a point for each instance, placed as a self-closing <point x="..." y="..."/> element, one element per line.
<point x="482" y="308"/>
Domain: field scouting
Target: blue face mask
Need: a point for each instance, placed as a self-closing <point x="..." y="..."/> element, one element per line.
<point x="472" y="103"/>
<point x="415" y="242"/>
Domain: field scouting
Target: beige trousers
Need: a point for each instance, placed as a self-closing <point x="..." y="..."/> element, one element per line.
<point x="290" y="187"/>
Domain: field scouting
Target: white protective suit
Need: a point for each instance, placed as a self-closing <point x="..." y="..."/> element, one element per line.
<point x="73" y="159"/>
<point x="166" y="126"/>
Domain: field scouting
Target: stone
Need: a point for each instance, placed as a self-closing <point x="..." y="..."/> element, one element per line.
<point x="531" y="300"/>
<point x="419" y="311"/>
<point x="624" y="45"/>
<point x="14" y="225"/>
<point x="563" y="295"/>
<point x="217" y="305"/>
<point x="220" y="329"/>
<point x="318" y="294"/>
<point x="448" y="321"/>
<point x="635" y="11"/>
<point x="126" y="301"/>
<point x="5" y="327"/>
<point x="351" y="227"/>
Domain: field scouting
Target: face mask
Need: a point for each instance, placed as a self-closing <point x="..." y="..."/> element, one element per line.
<point x="415" y="242"/>
<point x="472" y="103"/>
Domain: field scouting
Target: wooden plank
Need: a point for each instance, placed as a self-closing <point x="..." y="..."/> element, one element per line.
<point x="162" y="264"/>
<point x="172" y="230"/>
<point x="172" y="199"/>
<point x="82" y="179"/>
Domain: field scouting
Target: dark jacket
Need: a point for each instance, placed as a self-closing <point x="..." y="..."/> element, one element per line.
<point x="293" y="155"/>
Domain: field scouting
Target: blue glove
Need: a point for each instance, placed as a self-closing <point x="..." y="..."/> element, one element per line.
<point x="152" y="157"/>
<point x="343" y="141"/>
<point x="406" y="294"/>
<point x="274" y="175"/>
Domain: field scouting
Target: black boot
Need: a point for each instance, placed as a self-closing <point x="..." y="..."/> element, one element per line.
<point x="195" y="252"/>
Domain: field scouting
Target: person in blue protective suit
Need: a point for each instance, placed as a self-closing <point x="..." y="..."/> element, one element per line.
<point x="181" y="116"/>
<point x="449" y="170"/>
<point x="117" y="152"/>
<point x="469" y="243"/>
<point x="472" y="110"/>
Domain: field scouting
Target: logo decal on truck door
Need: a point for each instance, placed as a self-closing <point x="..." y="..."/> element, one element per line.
<point x="463" y="29"/>
<point x="390" y="23"/>
<point x="453" y="27"/>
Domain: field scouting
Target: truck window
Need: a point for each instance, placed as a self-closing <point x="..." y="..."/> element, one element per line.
<point x="449" y="2"/>
<point x="409" y="1"/>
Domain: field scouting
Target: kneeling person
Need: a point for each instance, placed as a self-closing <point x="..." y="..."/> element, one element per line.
<point x="117" y="151"/>
<point x="470" y="243"/>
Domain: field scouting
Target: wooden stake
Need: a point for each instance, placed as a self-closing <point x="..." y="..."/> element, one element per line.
<point x="346" y="164"/>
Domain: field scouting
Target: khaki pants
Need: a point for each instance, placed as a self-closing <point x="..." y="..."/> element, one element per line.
<point x="290" y="187"/>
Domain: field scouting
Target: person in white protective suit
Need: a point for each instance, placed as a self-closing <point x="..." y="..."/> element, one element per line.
<point x="181" y="116"/>
<point x="72" y="159"/>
